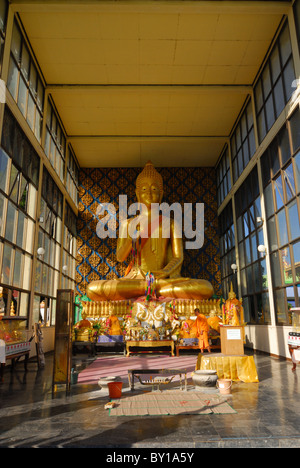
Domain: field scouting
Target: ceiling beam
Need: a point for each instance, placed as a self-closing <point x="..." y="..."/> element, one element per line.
<point x="147" y="137"/>
<point x="201" y="89"/>
<point x="160" y="6"/>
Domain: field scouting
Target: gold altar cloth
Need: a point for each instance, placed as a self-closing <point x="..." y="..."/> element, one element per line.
<point x="149" y="344"/>
<point x="229" y="367"/>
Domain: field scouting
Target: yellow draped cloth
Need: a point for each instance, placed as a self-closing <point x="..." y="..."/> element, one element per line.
<point x="229" y="367"/>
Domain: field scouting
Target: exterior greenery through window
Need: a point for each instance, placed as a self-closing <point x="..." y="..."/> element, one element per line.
<point x="281" y="179"/>
<point x="252" y="264"/>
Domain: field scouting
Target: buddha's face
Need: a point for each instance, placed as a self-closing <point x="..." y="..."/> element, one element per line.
<point x="148" y="192"/>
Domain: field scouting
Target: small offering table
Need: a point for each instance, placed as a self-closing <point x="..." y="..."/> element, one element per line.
<point x="156" y="381"/>
<point x="150" y="344"/>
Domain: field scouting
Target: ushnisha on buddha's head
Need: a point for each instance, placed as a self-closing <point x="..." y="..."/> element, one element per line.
<point x="149" y="185"/>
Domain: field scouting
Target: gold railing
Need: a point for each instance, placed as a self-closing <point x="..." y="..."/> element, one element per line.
<point x="183" y="308"/>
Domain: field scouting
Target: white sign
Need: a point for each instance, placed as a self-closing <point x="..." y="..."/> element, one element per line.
<point x="234" y="334"/>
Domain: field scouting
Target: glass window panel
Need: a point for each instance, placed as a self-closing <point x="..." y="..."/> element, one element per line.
<point x="290" y="296"/>
<point x="38" y="126"/>
<point x="12" y="80"/>
<point x="261" y="124"/>
<point x="284" y="145"/>
<point x="25" y="61"/>
<point x="246" y="224"/>
<point x="266" y="308"/>
<point x="33" y="79"/>
<point x="266" y="78"/>
<point x="285" y="44"/>
<point x="249" y="280"/>
<point x="4" y="160"/>
<point x="247" y="251"/>
<point x="286" y="265"/>
<point x="22" y="97"/>
<point x="16" y="42"/>
<point x="6" y="264"/>
<point x="40" y="95"/>
<point x="275" y="63"/>
<point x="272" y="234"/>
<point x="276" y="272"/>
<point x="280" y="306"/>
<point x="18" y="268"/>
<point x="27" y="272"/>
<point x="21" y="232"/>
<point x="258" y="96"/>
<point x="252" y="142"/>
<point x="254" y="247"/>
<point x="270" y="113"/>
<point x="289" y="182"/>
<point x="295" y="129"/>
<point x="264" y="276"/>
<point x="10" y="222"/>
<point x="288" y="78"/>
<point x="38" y="277"/>
<point x="282" y="228"/>
<point x="293" y="220"/>
<point x="258" y="277"/>
<point x="14" y="184"/>
<point x="30" y="111"/>
<point x="279" y="97"/>
<point x="24" y="301"/>
<point x="296" y="252"/>
<point x="279" y="192"/>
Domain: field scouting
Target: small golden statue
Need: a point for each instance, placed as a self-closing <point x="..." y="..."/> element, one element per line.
<point x="161" y="256"/>
<point x="234" y="311"/>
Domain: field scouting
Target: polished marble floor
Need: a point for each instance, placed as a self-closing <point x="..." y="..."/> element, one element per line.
<point x="268" y="414"/>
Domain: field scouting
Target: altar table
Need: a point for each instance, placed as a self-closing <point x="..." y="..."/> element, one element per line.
<point x="237" y="368"/>
<point x="149" y="344"/>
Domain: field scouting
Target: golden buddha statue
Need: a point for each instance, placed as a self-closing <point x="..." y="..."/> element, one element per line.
<point x="157" y="254"/>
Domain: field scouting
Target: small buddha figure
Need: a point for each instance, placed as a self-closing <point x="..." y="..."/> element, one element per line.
<point x="160" y="255"/>
<point x="234" y="311"/>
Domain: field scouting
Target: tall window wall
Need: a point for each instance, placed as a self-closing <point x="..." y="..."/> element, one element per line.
<point x="3" y="18"/>
<point x="242" y="142"/>
<point x="227" y="250"/>
<point x="48" y="261"/>
<point x="24" y="82"/>
<point x="69" y="250"/>
<point x="252" y="264"/>
<point x="55" y="141"/>
<point x="274" y="86"/>
<point x="281" y="180"/>
<point x="72" y="175"/>
<point x="223" y="176"/>
<point x="19" y="170"/>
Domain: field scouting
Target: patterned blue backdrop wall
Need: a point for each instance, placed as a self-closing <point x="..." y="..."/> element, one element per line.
<point x="96" y="258"/>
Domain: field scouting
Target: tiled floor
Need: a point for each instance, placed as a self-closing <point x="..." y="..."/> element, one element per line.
<point x="268" y="414"/>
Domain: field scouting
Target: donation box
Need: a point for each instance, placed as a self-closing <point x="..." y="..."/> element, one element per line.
<point x="232" y="340"/>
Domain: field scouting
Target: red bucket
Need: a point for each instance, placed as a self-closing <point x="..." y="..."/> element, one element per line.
<point x="115" y="389"/>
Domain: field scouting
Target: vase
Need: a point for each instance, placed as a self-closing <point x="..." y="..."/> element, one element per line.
<point x="205" y="378"/>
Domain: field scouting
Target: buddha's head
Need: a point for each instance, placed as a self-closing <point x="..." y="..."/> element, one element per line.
<point x="149" y="185"/>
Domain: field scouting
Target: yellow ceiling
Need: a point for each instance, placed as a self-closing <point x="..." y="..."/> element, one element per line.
<point x="139" y="80"/>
